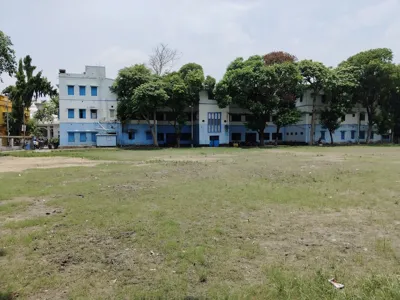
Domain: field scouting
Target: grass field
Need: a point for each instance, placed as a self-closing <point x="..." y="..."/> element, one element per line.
<point x="201" y="223"/>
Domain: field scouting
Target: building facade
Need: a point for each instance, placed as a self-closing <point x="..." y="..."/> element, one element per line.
<point x="88" y="109"/>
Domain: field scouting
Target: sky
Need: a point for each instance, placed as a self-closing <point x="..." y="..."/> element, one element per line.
<point x="119" y="33"/>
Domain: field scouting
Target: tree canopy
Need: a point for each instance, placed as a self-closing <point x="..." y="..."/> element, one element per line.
<point x="7" y="55"/>
<point x="258" y="88"/>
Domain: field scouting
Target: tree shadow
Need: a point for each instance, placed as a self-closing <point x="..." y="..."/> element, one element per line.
<point x="8" y="296"/>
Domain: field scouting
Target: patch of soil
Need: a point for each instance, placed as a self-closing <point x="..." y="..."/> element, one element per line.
<point x="19" y="164"/>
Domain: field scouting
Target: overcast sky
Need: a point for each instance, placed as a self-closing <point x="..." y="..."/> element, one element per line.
<point x="74" y="33"/>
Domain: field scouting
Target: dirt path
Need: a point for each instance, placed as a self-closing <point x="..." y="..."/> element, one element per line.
<point x="18" y="164"/>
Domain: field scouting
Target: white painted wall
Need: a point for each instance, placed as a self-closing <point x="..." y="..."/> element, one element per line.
<point x="205" y="106"/>
<point x="103" y="102"/>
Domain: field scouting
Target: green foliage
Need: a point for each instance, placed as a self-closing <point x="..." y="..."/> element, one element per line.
<point x="26" y="88"/>
<point x="339" y="88"/>
<point x="209" y="86"/>
<point x="7" y="56"/>
<point x="50" y="108"/>
<point x="257" y="87"/>
<point x="285" y="114"/>
<point x="373" y="70"/>
<point x="315" y="76"/>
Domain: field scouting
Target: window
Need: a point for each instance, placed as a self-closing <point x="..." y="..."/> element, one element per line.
<point x="93" y="91"/>
<point x="287" y="133"/>
<point x="279" y="136"/>
<point x="169" y="116"/>
<point x="131" y="135"/>
<point x="71" y="90"/>
<point x="266" y="136"/>
<point x="354" y="115"/>
<point x="82" y="90"/>
<point x="236" y="118"/>
<point x="93" y="113"/>
<point x="301" y="133"/>
<point x="362" y="135"/>
<point x="322" y="135"/>
<point x="249" y="118"/>
<point x="94" y="137"/>
<point x="82" y="137"/>
<point x="71" y="113"/>
<point x="295" y="133"/>
<point x="301" y="98"/>
<point x="291" y="133"/>
<point x="362" y="117"/>
<point x="149" y="136"/>
<point x="343" y="118"/>
<point x="343" y="135"/>
<point x="353" y="134"/>
<point x="112" y="113"/>
<point x="71" y="137"/>
<point x="236" y="136"/>
<point x="372" y="135"/>
<point x="186" y="136"/>
<point x="82" y="114"/>
<point x="323" y="98"/>
<point x="214" y="122"/>
<point x="160" y="137"/>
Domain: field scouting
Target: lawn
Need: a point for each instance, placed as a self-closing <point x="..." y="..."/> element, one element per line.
<point x="201" y="223"/>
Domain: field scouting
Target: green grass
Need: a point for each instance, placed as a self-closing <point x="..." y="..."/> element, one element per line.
<point x="204" y="223"/>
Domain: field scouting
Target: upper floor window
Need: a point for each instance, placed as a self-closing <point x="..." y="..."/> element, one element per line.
<point x="301" y="98"/>
<point x="71" y="90"/>
<point x="82" y="90"/>
<point x="93" y="91"/>
<point x="362" y="116"/>
<point x="93" y="113"/>
<point x="323" y="98"/>
<point x="236" y="117"/>
<point x="214" y="122"/>
<point x="71" y="113"/>
<point x="82" y="114"/>
<point x="112" y="113"/>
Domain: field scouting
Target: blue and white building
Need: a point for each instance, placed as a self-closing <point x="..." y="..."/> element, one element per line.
<point x="88" y="112"/>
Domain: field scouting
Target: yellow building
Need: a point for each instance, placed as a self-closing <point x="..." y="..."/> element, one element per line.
<point x="5" y="106"/>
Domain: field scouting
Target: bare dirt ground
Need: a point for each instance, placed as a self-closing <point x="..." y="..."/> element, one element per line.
<point x="18" y="164"/>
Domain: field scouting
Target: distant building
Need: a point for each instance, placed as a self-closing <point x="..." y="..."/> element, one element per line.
<point x="88" y="109"/>
<point x="5" y="107"/>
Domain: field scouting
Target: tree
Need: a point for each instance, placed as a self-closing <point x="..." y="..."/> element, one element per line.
<point x="209" y="86"/>
<point x="7" y="56"/>
<point x="27" y="88"/>
<point x="127" y="81"/>
<point x="279" y="57"/>
<point x="373" y="70"/>
<point x="257" y="87"/>
<point x="285" y="114"/>
<point x="162" y="59"/>
<point x="183" y="88"/>
<point x="339" y="87"/>
<point x="50" y="108"/>
<point x="146" y="99"/>
<point x="315" y="75"/>
<point x="388" y="117"/>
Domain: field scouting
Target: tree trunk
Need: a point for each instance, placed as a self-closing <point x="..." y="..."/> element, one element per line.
<point x="153" y="129"/>
<point x="330" y="133"/>
<point x="261" y="134"/>
<point x="369" y="132"/>
<point x="312" y="130"/>
<point x="277" y="135"/>
<point x="178" y="141"/>
<point x="392" y="136"/>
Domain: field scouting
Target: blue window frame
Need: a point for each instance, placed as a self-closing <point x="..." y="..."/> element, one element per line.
<point x="353" y="134"/>
<point x="71" y="113"/>
<point x="82" y="90"/>
<point x="71" y="90"/>
<point x="323" y="135"/>
<point x="94" y="137"/>
<point x="71" y="137"/>
<point x="214" y="122"/>
<point x="362" y="135"/>
<point x="149" y="136"/>
<point x="82" y="137"/>
<point x="82" y="114"/>
<point x="93" y="90"/>
<point x="343" y="135"/>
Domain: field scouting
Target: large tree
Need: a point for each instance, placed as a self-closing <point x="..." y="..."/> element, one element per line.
<point x="139" y="94"/>
<point x="285" y="114"/>
<point x="258" y="88"/>
<point x="315" y="76"/>
<point x="373" y="70"/>
<point x="339" y="89"/>
<point x="183" y="88"/>
<point x="48" y="111"/>
<point x="7" y="55"/>
<point x="27" y="88"/>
